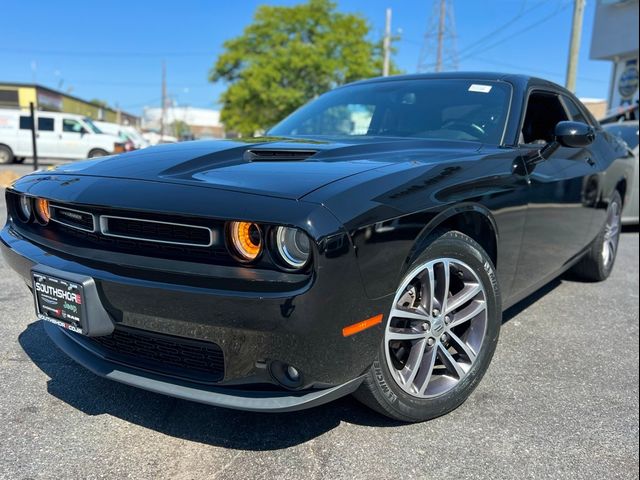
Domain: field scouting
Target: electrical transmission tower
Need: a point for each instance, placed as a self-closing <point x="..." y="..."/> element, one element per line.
<point x="439" y="51"/>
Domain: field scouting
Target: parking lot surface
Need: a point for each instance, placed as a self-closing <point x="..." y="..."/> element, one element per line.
<point x="560" y="400"/>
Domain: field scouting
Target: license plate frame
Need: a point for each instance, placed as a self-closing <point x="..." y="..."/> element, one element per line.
<point x="60" y="301"/>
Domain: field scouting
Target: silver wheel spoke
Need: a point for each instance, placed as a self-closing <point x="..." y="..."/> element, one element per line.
<point x="467" y="293"/>
<point x="414" y="362"/>
<point x="414" y="315"/>
<point x="447" y="279"/>
<point x="398" y="334"/>
<point x="469" y="313"/>
<point x="429" y="364"/>
<point x="428" y="288"/>
<point x="466" y="349"/>
<point x="450" y="362"/>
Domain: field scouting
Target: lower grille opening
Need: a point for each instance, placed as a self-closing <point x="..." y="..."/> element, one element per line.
<point x="193" y="360"/>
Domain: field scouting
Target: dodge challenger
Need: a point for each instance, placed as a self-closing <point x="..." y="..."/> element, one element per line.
<point x="368" y="244"/>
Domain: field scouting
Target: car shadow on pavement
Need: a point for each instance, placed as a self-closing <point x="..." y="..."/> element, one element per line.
<point x="521" y="306"/>
<point x="191" y="421"/>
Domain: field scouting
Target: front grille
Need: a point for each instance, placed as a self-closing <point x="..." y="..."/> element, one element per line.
<point x="73" y="218"/>
<point x="156" y="231"/>
<point x="193" y="360"/>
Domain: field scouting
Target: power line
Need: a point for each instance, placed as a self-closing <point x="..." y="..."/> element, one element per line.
<point x="519" y="32"/>
<point x="478" y="43"/>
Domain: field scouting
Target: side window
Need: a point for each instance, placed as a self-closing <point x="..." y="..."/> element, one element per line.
<point x="25" y="123"/>
<point x="544" y="111"/>
<point x="45" y="124"/>
<point x="574" y="110"/>
<point x="70" y="125"/>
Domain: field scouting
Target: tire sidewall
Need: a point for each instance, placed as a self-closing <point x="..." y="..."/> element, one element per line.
<point x="9" y="155"/>
<point x="459" y="247"/>
<point x="605" y="271"/>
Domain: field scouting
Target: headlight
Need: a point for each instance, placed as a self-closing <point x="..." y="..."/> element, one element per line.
<point x="294" y="246"/>
<point x="25" y="208"/>
<point x="42" y="210"/>
<point x="246" y="240"/>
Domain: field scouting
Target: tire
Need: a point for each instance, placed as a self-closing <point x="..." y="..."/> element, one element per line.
<point x="98" y="152"/>
<point x="428" y="395"/>
<point x="598" y="262"/>
<point x="6" y="155"/>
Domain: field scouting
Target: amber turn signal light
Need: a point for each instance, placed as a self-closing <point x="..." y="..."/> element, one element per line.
<point x="246" y="240"/>
<point x="360" y="326"/>
<point x="42" y="210"/>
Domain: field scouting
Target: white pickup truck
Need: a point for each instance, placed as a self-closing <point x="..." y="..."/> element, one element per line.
<point x="58" y="135"/>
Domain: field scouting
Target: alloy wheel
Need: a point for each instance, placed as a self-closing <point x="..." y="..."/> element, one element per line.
<point x="611" y="234"/>
<point x="436" y="327"/>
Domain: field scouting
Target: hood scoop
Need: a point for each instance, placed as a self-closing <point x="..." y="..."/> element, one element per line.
<point x="273" y="155"/>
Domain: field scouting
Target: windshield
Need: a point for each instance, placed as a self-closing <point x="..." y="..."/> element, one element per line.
<point x="444" y="109"/>
<point x="91" y="125"/>
<point x="628" y="133"/>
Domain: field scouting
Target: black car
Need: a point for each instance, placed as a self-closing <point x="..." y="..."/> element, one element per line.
<point x="368" y="244"/>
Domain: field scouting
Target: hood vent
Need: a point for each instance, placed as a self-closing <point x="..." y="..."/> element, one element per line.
<point x="267" y="155"/>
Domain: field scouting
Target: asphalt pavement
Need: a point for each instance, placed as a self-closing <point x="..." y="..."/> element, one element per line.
<point x="560" y="400"/>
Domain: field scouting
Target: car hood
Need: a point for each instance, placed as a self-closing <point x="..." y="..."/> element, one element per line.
<point x="228" y="164"/>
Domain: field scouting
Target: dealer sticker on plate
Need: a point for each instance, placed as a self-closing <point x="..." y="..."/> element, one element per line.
<point x="58" y="301"/>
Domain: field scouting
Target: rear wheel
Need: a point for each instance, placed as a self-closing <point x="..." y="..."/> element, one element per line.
<point x="6" y="155"/>
<point x="98" y="152"/>
<point x="440" y="334"/>
<point x="598" y="262"/>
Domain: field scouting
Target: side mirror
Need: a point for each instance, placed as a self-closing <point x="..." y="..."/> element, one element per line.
<point x="574" y="134"/>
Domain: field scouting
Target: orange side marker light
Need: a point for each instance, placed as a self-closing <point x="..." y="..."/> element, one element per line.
<point x="360" y="326"/>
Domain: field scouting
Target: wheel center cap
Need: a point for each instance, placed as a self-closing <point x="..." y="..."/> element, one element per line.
<point x="437" y="326"/>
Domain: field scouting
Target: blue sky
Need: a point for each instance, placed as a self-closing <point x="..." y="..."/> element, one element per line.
<point x="114" y="50"/>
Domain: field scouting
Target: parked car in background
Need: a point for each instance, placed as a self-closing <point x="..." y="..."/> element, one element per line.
<point x="128" y="135"/>
<point x="369" y="244"/>
<point x="155" y="138"/>
<point x="135" y="136"/>
<point x="628" y="132"/>
<point x="58" y="135"/>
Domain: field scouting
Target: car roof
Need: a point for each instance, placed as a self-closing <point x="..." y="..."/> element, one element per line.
<point x="513" y="78"/>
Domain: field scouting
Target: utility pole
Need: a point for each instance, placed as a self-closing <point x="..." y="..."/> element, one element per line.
<point x="574" y="46"/>
<point x="439" y="50"/>
<point x="387" y="45"/>
<point x="441" y="25"/>
<point x="163" y="109"/>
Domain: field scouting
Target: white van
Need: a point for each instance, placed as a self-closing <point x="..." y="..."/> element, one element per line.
<point x="58" y="135"/>
<point x="126" y="133"/>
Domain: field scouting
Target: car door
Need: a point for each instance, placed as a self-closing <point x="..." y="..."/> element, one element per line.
<point x="560" y="209"/>
<point x="46" y="137"/>
<point x="73" y="142"/>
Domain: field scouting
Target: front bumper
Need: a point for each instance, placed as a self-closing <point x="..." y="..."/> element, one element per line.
<point x="300" y="328"/>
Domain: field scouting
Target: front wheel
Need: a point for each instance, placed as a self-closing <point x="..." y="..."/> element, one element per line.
<point x="440" y="334"/>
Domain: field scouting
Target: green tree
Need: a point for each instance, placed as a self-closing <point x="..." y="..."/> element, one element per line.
<point x="286" y="57"/>
<point x="180" y="129"/>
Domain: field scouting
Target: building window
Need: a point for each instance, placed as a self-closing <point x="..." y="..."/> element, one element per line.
<point x="9" y="98"/>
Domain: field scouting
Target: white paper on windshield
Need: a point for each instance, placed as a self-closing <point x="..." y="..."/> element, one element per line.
<point x="480" y="88"/>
